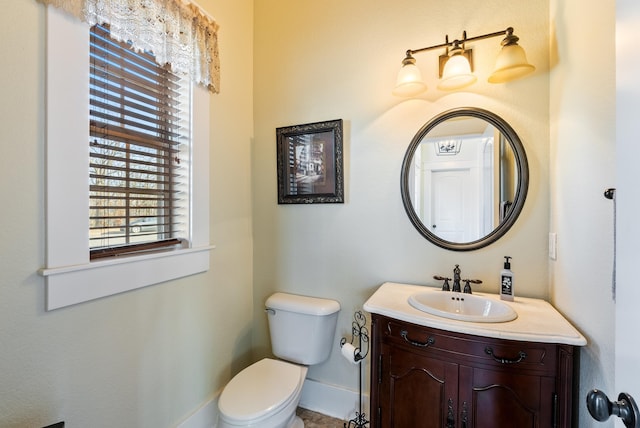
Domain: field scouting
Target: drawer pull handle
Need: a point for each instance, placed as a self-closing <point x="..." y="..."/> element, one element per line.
<point x="430" y="340"/>
<point x="521" y="356"/>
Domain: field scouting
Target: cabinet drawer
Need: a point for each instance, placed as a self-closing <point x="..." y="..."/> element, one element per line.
<point x="507" y="354"/>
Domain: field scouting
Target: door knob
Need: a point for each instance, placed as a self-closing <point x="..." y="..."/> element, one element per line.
<point x="601" y="408"/>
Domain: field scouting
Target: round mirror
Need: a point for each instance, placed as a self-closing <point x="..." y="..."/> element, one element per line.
<point x="464" y="179"/>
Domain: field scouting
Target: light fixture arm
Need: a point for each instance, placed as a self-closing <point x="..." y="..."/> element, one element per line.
<point x="508" y="33"/>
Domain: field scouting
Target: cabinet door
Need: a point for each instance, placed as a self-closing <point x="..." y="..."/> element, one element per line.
<point x="417" y="391"/>
<point x="505" y="399"/>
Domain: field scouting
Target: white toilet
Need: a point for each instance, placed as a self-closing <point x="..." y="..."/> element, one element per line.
<point x="266" y="394"/>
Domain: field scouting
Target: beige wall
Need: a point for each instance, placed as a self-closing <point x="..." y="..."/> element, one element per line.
<point x="318" y="61"/>
<point x="147" y="358"/>
<point x="152" y="356"/>
<point x="338" y="60"/>
<point x="583" y="116"/>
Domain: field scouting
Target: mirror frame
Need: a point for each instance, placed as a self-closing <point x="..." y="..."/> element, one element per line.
<point x="521" y="189"/>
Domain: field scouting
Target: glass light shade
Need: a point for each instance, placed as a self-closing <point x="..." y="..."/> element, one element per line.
<point x="456" y="74"/>
<point x="409" y="82"/>
<point x="511" y="64"/>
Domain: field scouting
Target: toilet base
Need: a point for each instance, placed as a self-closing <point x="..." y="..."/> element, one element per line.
<point x="297" y="423"/>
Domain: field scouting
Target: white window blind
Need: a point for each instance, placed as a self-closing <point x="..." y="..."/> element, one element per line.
<point x="138" y="150"/>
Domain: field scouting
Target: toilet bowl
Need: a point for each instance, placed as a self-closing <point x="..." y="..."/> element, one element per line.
<point x="267" y="393"/>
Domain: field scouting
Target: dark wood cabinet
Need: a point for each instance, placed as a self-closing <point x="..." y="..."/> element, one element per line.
<point x="423" y="377"/>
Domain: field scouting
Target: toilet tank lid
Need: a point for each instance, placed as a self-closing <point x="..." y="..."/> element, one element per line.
<point x="302" y="304"/>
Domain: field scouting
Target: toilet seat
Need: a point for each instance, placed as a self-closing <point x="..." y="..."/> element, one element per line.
<point x="261" y="390"/>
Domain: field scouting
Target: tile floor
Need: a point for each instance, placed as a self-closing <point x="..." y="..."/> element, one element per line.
<point x="317" y="420"/>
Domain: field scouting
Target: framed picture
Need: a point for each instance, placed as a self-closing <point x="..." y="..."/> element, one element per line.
<point x="310" y="163"/>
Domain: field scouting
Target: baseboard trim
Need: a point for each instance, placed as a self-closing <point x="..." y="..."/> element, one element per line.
<point x="205" y="417"/>
<point x="332" y="400"/>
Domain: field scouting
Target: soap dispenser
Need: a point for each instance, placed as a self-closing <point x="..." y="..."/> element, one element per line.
<point x="506" y="281"/>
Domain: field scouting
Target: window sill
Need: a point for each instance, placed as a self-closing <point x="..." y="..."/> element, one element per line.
<point x="69" y="285"/>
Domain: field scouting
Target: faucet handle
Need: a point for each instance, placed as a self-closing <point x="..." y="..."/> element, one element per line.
<point x="467" y="286"/>
<point x="445" y="286"/>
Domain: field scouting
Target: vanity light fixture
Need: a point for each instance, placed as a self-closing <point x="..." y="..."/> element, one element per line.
<point x="456" y="65"/>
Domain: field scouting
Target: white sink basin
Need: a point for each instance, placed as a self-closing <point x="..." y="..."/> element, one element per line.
<point x="462" y="307"/>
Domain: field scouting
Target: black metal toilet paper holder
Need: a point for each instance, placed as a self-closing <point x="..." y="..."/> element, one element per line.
<point x="359" y="334"/>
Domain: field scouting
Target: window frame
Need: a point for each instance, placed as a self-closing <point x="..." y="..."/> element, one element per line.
<point x="70" y="276"/>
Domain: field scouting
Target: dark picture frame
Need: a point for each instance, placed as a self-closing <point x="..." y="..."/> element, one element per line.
<point x="310" y="163"/>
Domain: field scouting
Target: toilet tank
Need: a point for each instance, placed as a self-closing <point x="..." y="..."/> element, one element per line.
<point x="302" y="328"/>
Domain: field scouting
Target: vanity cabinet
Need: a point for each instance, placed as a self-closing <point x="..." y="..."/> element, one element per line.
<point x="423" y="377"/>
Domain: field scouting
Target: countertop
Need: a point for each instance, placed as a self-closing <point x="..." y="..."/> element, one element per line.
<point x="537" y="321"/>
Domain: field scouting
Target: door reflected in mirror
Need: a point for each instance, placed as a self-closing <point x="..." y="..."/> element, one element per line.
<point x="464" y="179"/>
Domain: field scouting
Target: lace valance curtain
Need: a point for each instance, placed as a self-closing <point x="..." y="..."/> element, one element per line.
<point x="177" y="32"/>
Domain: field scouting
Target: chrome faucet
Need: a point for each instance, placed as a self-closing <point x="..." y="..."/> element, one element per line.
<point x="456" y="279"/>
<point x="456" y="282"/>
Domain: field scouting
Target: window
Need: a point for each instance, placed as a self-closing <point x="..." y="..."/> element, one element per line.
<point x="138" y="169"/>
<point x="71" y="276"/>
